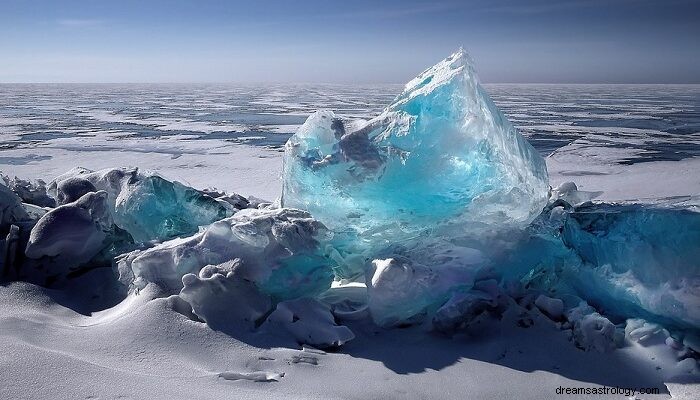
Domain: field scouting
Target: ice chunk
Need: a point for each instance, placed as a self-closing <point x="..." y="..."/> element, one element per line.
<point x="309" y="322"/>
<point x="401" y="291"/>
<point x="568" y="191"/>
<point x="277" y="249"/>
<point x="442" y="152"/>
<point x="74" y="231"/>
<point x="66" y="238"/>
<point x="592" y="331"/>
<point x="30" y="192"/>
<point x="639" y="261"/>
<point x="645" y="333"/>
<point x="554" y="308"/>
<point x="257" y="376"/>
<point x="73" y="188"/>
<point x="461" y="309"/>
<point x="11" y="210"/>
<point x="147" y="206"/>
<point x="223" y="299"/>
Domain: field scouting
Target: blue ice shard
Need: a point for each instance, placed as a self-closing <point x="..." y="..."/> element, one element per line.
<point x="626" y="260"/>
<point x="442" y="152"/>
<point x="638" y="261"/>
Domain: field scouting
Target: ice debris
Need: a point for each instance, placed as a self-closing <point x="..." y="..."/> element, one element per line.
<point x="278" y="250"/>
<point x="401" y="291"/>
<point x="15" y="224"/>
<point x="592" y="331"/>
<point x="256" y="376"/>
<point x="441" y="153"/>
<point x="11" y="210"/>
<point x="309" y="322"/>
<point x="554" y="308"/>
<point x="223" y="299"/>
<point x="67" y="237"/>
<point x="147" y="206"/>
<point x="30" y="192"/>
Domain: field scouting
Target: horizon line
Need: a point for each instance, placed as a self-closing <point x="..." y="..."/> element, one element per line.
<point x="327" y="83"/>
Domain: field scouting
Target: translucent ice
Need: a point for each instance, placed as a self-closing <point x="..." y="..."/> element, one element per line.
<point x="145" y="205"/>
<point x="401" y="291"/>
<point x="629" y="261"/>
<point x="639" y="261"/>
<point x="441" y="152"/>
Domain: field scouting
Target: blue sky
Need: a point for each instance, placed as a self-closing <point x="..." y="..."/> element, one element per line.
<point x="579" y="41"/>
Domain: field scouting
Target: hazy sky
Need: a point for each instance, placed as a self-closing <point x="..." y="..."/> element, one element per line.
<point x="625" y="41"/>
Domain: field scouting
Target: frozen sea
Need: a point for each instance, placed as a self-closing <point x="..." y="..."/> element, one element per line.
<point x="610" y="138"/>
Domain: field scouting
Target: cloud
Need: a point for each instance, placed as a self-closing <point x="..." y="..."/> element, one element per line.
<point x="80" y="23"/>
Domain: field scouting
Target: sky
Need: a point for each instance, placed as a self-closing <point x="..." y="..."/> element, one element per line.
<point x="390" y="41"/>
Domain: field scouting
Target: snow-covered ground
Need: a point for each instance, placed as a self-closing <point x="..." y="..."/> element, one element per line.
<point x="149" y="351"/>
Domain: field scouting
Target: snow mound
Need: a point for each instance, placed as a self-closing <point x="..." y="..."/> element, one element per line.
<point x="71" y="237"/>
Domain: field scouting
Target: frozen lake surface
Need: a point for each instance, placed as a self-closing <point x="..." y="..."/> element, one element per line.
<point x="231" y="136"/>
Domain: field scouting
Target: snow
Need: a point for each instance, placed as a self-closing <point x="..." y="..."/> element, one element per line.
<point x="156" y="353"/>
<point x="223" y="299"/>
<point x="73" y="231"/>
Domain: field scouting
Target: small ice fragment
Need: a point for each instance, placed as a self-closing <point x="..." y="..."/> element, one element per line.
<point x="309" y="322"/>
<point x="554" y="308"/>
<point x="257" y="376"/>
